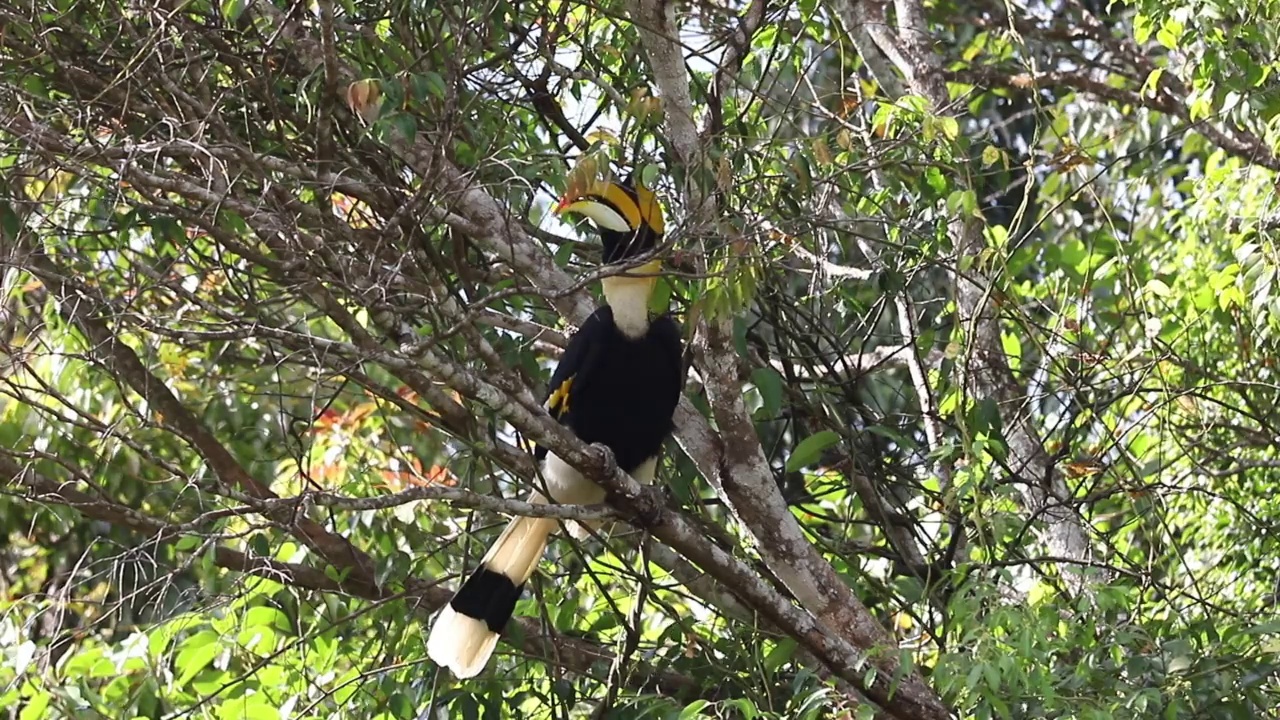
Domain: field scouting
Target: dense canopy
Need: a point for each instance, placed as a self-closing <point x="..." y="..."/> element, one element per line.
<point x="979" y="299"/>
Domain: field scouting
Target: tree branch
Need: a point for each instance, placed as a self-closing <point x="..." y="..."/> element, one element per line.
<point x="425" y="597"/>
<point x="738" y="469"/>
<point x="985" y="371"/>
<point x="1164" y="99"/>
<point x="122" y="362"/>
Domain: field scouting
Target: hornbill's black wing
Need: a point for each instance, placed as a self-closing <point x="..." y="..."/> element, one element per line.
<point x="574" y="369"/>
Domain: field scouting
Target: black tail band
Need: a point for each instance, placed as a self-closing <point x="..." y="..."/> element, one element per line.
<point x="487" y="596"/>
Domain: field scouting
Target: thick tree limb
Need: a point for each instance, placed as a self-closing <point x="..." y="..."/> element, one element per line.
<point x="740" y="472"/>
<point x="846" y="661"/>
<point x="985" y="371"/>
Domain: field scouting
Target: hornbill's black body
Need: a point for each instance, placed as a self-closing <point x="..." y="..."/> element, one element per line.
<point x="617" y="384"/>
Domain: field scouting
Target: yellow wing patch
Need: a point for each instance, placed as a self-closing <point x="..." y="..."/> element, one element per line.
<point x="558" y="403"/>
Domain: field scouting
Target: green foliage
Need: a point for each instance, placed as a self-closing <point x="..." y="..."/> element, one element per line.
<point x="279" y="257"/>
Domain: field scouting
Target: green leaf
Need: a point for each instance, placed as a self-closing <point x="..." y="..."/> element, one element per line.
<point x="194" y="655"/>
<point x="780" y="654"/>
<point x="233" y="9"/>
<point x="1012" y="349"/>
<point x="260" y="545"/>
<point x="1151" y="85"/>
<point x="404" y="124"/>
<point x="997" y="236"/>
<point x="740" y="336"/>
<point x="1142" y="27"/>
<point x="810" y="449"/>
<point x="986" y="416"/>
<point x="565" y="691"/>
<point x="10" y="225"/>
<point x="649" y="175"/>
<point x="1158" y="287"/>
<point x="1201" y="103"/>
<point x="400" y="705"/>
<point x="21" y="659"/>
<point x="949" y="126"/>
<point x="36" y="707"/>
<point x="1271" y="627"/>
<point x="936" y="181"/>
<point x="465" y="153"/>
<point x="693" y="709"/>
<point x="974" y="677"/>
<point x="893" y="435"/>
<point x="962" y="202"/>
<point x="660" y="301"/>
<point x="746" y="709"/>
<point x="254" y="707"/>
<point x="769" y="382"/>
<point x="1243" y="252"/>
<point x="435" y="84"/>
<point x="1170" y="33"/>
<point x="267" y="616"/>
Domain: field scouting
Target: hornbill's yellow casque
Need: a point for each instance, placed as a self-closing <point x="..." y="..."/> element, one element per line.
<point x="617" y="384"/>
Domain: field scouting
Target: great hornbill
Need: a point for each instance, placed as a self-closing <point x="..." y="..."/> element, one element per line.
<point x="617" y="383"/>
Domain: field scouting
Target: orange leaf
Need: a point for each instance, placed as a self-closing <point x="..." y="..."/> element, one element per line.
<point x="364" y="97"/>
<point x="440" y="475"/>
<point x="1083" y="468"/>
<point x="327" y="420"/>
<point x="357" y="414"/>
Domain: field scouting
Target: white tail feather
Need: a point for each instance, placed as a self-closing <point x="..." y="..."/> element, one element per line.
<point x="519" y="548"/>
<point x="464" y="644"/>
<point x="460" y="643"/>
<point x="568" y="486"/>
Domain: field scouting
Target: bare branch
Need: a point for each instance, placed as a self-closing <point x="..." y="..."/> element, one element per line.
<point x="985" y="370"/>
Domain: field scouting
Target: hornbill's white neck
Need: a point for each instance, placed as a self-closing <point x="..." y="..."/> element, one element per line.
<point x="628" y="295"/>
